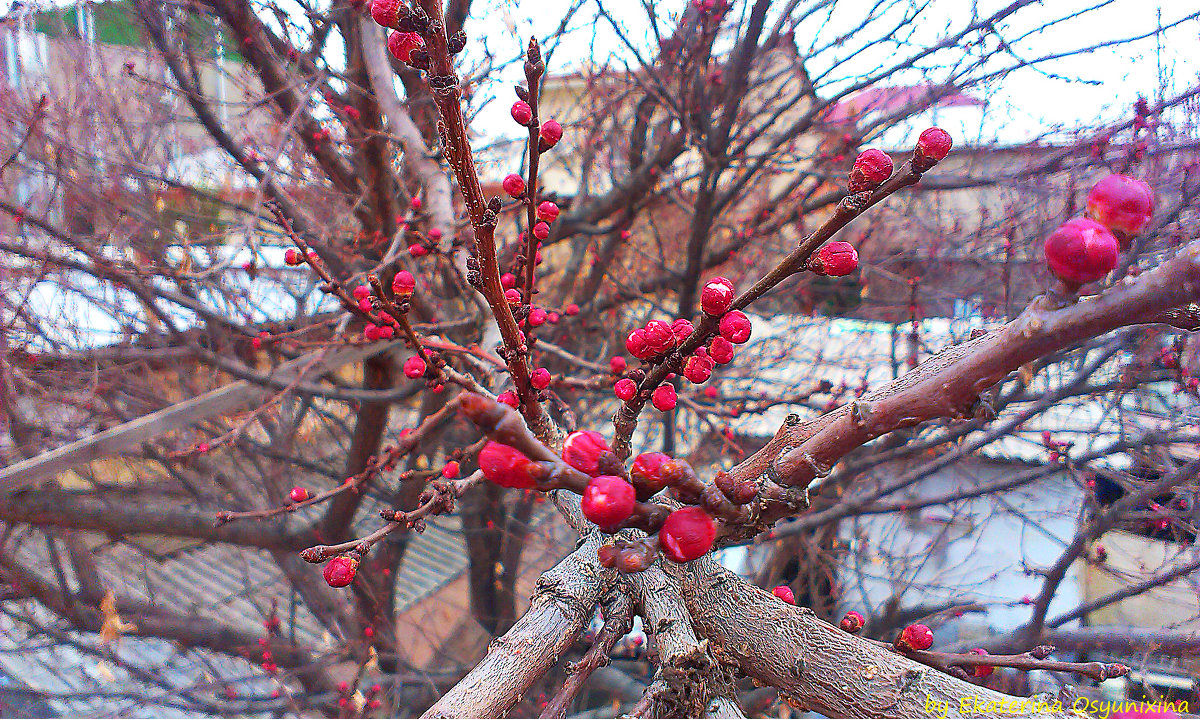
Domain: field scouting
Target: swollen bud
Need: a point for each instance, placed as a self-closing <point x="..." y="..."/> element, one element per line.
<point x="1123" y="204"/>
<point x="507" y="467"/>
<point x="521" y="112"/>
<point x="514" y="185"/>
<point x="852" y="622"/>
<point x="663" y="398"/>
<point x="549" y="135"/>
<point x="625" y="389"/>
<point x="402" y="45"/>
<point x="1081" y="251"/>
<point x="698" y="369"/>
<point x="387" y="12"/>
<point x="932" y="147"/>
<point x="660" y="338"/>
<point x="647" y="474"/>
<point x="835" y="259"/>
<point x="735" y="327"/>
<point x="583" y="449"/>
<point x="915" y="636"/>
<point x="716" y="297"/>
<point x="871" y="168"/>
<point x="637" y="346"/>
<point x="607" y="502"/>
<point x="687" y="534"/>
<point x="414" y="367"/>
<point x="547" y="211"/>
<point x="403" y="284"/>
<point x="340" y="571"/>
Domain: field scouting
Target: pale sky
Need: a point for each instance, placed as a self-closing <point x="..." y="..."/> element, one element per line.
<point x="1073" y="91"/>
<point x="1099" y="85"/>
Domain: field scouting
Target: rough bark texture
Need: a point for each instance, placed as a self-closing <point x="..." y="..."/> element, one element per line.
<point x="561" y="608"/>
<point x="823" y="667"/>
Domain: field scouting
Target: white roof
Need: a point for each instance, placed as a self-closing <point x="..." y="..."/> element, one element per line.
<point x="791" y="353"/>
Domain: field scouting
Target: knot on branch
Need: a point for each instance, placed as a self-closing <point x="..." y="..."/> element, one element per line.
<point x="445" y="87"/>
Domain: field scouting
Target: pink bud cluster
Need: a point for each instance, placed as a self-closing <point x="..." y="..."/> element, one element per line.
<point x="1085" y="249"/>
<point x="655" y="341"/>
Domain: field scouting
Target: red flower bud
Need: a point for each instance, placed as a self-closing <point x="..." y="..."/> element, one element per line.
<point x="852" y="622"/>
<point x="547" y="211"/>
<point x="402" y="45"/>
<point x="647" y="473"/>
<point x="513" y="296"/>
<point x="637" y="346"/>
<point x="292" y="257"/>
<point x="298" y="494"/>
<point x="522" y="112"/>
<point x="1081" y="250"/>
<point x="537" y="317"/>
<point x="550" y="134"/>
<point x="541" y="230"/>
<point x="509" y="398"/>
<point x="508" y="280"/>
<point x="716" y="297"/>
<point x="617" y="365"/>
<point x="416" y="249"/>
<point x="660" y="339"/>
<point x="720" y="350"/>
<point x="540" y="378"/>
<point x="583" y="449"/>
<point x="698" y="369"/>
<point x="403" y="284"/>
<point x="784" y="593"/>
<point x="835" y="259"/>
<point x="607" y="502"/>
<point x="682" y="329"/>
<point x="934" y="144"/>
<point x="451" y="470"/>
<point x="735" y="327"/>
<point x="1122" y="204"/>
<point x="414" y="367"/>
<point x="371" y="332"/>
<point x="625" y="389"/>
<point x="915" y="636"/>
<point x="386" y="12"/>
<point x="340" y="571"/>
<point x="871" y="168"/>
<point x="509" y="468"/>
<point x="571" y="309"/>
<point x="514" y="185"/>
<point x="687" y="534"/>
<point x="362" y="292"/>
<point x="663" y="398"/>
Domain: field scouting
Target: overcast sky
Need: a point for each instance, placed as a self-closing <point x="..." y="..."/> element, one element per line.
<point x="1066" y="94"/>
<point x="1069" y="92"/>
